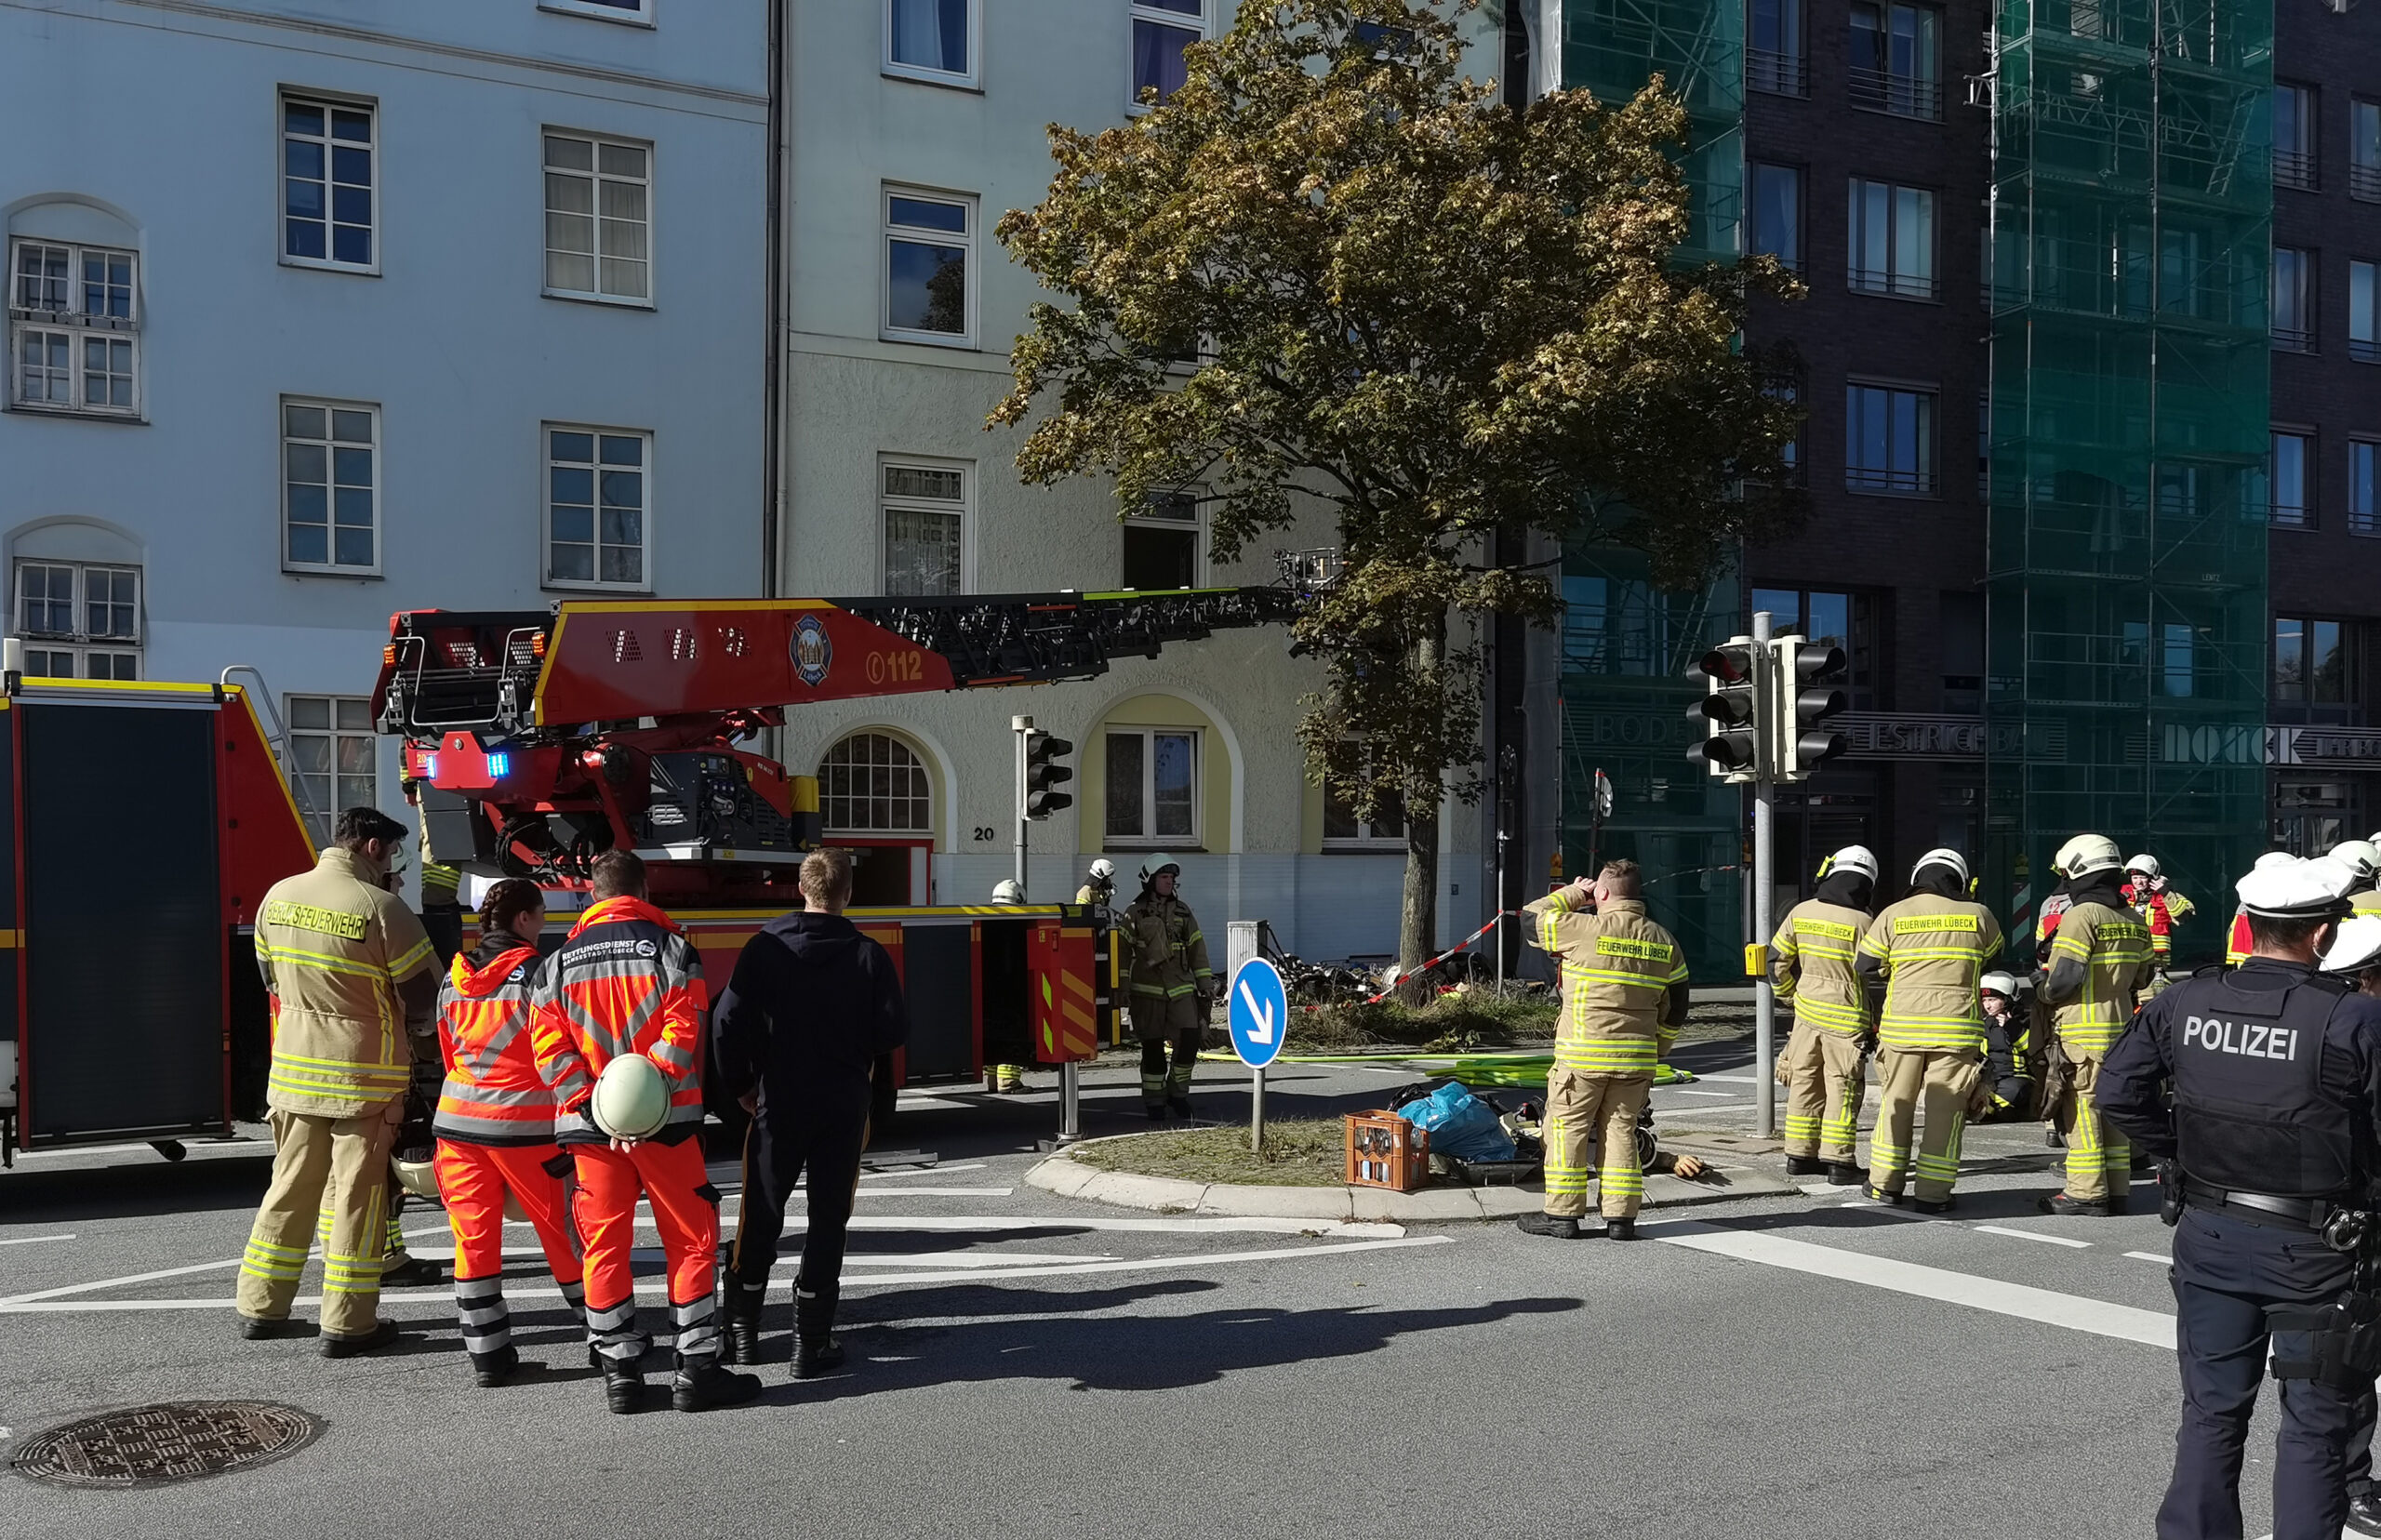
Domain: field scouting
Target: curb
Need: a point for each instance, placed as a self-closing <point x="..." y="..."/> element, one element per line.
<point x="1067" y="1178"/>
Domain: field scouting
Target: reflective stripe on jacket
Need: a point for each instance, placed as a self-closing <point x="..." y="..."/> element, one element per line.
<point x="333" y="945"/>
<point x="1930" y="950"/>
<point x="493" y="1093"/>
<point x="627" y="981"/>
<point x="2113" y="947"/>
<point x="1617" y="968"/>
<point x="1812" y="964"/>
<point x="1166" y="949"/>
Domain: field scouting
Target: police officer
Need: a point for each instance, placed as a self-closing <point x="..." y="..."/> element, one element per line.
<point x="1173" y="988"/>
<point x="1824" y="1069"/>
<point x="2276" y="1081"/>
<point x="1926" y="954"/>
<point x="2100" y="961"/>
<point x="2355" y="958"/>
<point x="1623" y="999"/>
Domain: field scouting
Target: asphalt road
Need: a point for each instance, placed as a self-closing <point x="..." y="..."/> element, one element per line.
<point x="1029" y="1365"/>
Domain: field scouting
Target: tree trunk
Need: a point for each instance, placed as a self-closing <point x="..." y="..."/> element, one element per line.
<point x="1418" y="918"/>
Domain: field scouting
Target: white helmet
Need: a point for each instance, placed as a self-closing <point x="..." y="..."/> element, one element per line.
<point x="2002" y="984"/>
<point x="2291" y="889"/>
<point x="631" y="1100"/>
<point x="1941" y="856"/>
<point x="1103" y="872"/>
<point x="2356" y="948"/>
<point x="1005" y="891"/>
<point x="1156" y="865"/>
<point x="2147" y="865"/>
<point x="2363" y="856"/>
<point x="2086" y="854"/>
<point x="415" y="1176"/>
<point x="2271" y="859"/>
<point x="1851" y="858"/>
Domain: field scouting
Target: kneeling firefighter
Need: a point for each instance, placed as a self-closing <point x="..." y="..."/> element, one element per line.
<point x="495" y="1125"/>
<point x="2010" y="1059"/>
<point x="1823" y="1070"/>
<point x="2269" y="1176"/>
<point x="1173" y="988"/>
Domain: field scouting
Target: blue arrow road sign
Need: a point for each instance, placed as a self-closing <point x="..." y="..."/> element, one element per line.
<point x="1260" y="1013"/>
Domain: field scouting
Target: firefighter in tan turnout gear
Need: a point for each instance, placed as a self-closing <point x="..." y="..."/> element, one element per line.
<point x="354" y="986"/>
<point x="1173" y="988"/>
<point x="2100" y="961"/>
<point x="1926" y="954"/>
<point x="1812" y="963"/>
<point x="1623" y="999"/>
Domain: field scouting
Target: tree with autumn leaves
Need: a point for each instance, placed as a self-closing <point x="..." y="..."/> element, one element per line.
<point x="1333" y="270"/>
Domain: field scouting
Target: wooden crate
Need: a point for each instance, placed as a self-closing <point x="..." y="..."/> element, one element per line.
<point x="1384" y="1150"/>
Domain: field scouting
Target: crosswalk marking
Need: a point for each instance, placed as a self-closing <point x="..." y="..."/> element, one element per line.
<point x="2159" y="1257"/>
<point x="2035" y="1235"/>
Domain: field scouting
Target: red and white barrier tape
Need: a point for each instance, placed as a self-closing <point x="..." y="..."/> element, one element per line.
<point x="1425" y="967"/>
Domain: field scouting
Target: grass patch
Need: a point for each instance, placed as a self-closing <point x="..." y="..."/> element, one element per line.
<point x="1451" y="1024"/>
<point x="1298" y="1152"/>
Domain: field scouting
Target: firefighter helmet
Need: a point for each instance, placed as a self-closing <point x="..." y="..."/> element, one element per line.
<point x="413" y="1172"/>
<point x="631" y="1100"/>
<point x="1157" y="866"/>
<point x="1005" y="891"/>
<point x="1851" y="858"/>
<point x="2145" y="865"/>
<point x="1941" y="856"/>
<point x="2086" y="854"/>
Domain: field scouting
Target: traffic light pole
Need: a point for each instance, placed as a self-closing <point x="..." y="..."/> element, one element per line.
<point x="1070" y="1076"/>
<point x="1023" y="727"/>
<point x="1768" y="688"/>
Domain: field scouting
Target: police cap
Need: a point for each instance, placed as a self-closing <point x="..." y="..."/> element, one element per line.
<point x="2358" y="947"/>
<point x="2298" y="890"/>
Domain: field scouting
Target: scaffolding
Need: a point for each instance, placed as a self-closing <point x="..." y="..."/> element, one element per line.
<point x="2131" y="221"/>
<point x="1613" y="47"/>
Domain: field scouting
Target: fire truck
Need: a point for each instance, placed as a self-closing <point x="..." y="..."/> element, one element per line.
<point x="536" y="741"/>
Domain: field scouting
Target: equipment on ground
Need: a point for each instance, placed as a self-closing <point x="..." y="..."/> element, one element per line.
<point x="630" y="1099"/>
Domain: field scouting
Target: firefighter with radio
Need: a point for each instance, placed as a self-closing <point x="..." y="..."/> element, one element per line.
<point x="1824" y="1069"/>
<point x="2100" y="961"/>
<point x="1623" y="999"/>
<point x="1926" y="954"/>
<point x="354" y="987"/>
<point x="1173" y="989"/>
<point x="625" y="985"/>
<point x="2268" y="1136"/>
<point x="495" y="1125"/>
<point x="1098" y="884"/>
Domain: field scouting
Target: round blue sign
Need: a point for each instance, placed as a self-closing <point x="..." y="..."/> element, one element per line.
<point x="1260" y="1017"/>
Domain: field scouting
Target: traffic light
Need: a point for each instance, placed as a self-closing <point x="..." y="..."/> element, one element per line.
<point x="1805" y="741"/>
<point x="1730" y="709"/>
<point x="1042" y="772"/>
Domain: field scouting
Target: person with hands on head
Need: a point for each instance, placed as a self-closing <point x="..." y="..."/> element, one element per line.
<point x="626" y="982"/>
<point x="805" y="1036"/>
<point x="2260" y="1089"/>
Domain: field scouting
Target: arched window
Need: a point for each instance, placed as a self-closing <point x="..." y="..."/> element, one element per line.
<point x="871" y="783"/>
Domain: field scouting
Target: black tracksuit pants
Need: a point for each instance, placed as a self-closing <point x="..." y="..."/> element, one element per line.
<point x="825" y="1141"/>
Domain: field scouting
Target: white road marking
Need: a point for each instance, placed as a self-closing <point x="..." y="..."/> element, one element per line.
<point x="2072" y="1311"/>
<point x="1328" y="1229"/>
<point x="29" y="1239"/>
<point x="2159" y="1257"/>
<point x="1870" y="1205"/>
<point x="854" y="1260"/>
<point x="932" y="1192"/>
<point x="230" y="1146"/>
<point x="113" y="1282"/>
<point x="1728" y="1096"/>
<point x="919" y="1171"/>
<point x="2035" y="1235"/>
<point x="1740" y="1080"/>
<point x="658" y="1288"/>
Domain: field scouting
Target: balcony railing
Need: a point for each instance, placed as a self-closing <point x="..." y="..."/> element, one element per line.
<point x="2294" y="169"/>
<point x="1906" y="484"/>
<point x="2288" y="341"/>
<point x="1900" y="285"/>
<point x="1903" y="96"/>
<point x="2365" y="350"/>
<point x="2364" y="181"/>
<point x="1777" y="74"/>
<point x="2365" y="522"/>
<point x="2290" y="516"/>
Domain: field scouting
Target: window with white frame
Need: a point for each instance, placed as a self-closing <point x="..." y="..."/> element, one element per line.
<point x="79" y="621"/>
<point x="638" y="12"/>
<point x="598" y="488"/>
<point x="932" y="40"/>
<point x="334" y="758"/>
<point x="329" y="188"/>
<point x="1343" y="831"/>
<point x="599" y="218"/>
<point x="330" y="486"/>
<point x="1162" y="542"/>
<point x="871" y="783"/>
<point x="925" y="507"/>
<point x="1152" y="785"/>
<point x="1161" y="29"/>
<point x="929" y="268"/>
<point x="74" y="328"/>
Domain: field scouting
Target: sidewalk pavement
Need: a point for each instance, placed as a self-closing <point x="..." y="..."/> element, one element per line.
<point x="1071" y="1178"/>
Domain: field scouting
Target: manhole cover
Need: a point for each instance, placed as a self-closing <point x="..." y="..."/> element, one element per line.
<point x="173" y="1442"/>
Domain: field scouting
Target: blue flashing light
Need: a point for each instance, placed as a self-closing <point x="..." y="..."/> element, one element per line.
<point x="500" y="766"/>
<point x="430" y="767"/>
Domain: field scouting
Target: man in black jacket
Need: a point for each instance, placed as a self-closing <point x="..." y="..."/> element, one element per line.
<point x="813" y="1012"/>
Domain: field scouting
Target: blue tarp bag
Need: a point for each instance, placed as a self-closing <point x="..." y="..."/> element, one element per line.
<point x="1461" y="1126"/>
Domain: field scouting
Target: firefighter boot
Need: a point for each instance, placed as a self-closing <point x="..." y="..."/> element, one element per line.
<point x="1620" y="1229"/>
<point x="2079" y="1208"/>
<point x="1844" y="1173"/>
<point x="623" y="1387"/>
<point x="743" y="1316"/>
<point x="1561" y="1227"/>
<point x="1803" y="1165"/>
<point x="702" y="1384"/>
<point x="491" y="1369"/>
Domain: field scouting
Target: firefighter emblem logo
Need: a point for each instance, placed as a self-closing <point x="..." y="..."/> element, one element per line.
<point x="814" y="653"/>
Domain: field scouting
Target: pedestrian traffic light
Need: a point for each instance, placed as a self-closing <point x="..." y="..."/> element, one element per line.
<point x="1807" y="671"/>
<point x="1042" y="772"/>
<point x="1730" y="709"/>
